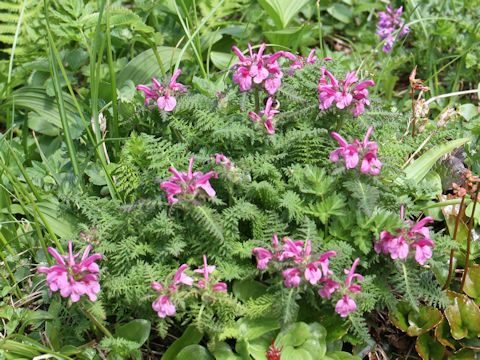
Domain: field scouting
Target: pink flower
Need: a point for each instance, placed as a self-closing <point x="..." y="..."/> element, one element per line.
<point x="71" y="278"/>
<point x="345" y="306"/>
<point x="344" y="93"/>
<point x="291" y="277"/>
<point x="329" y="288"/>
<point x="258" y="68"/>
<point x="292" y="249"/>
<point x="351" y="153"/>
<point x="206" y="270"/>
<point x="263" y="257"/>
<point x="312" y="273"/>
<point x="222" y="159"/>
<point x="324" y="263"/>
<point x="267" y="116"/>
<point x="163" y="95"/>
<point x="347" y="151"/>
<point x="351" y="275"/>
<point x="300" y="61"/>
<point x="388" y="23"/>
<point x="188" y="185"/>
<point x="181" y="278"/>
<point x="220" y="287"/>
<point x="163" y="306"/>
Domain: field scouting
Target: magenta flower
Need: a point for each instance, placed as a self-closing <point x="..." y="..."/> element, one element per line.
<point x="222" y="159"/>
<point x="206" y="270"/>
<point x="291" y="277"/>
<point x="328" y="288"/>
<point x="71" y="278"/>
<point x="181" y="278"/>
<point x="163" y="306"/>
<point x="351" y="153"/>
<point x="267" y="116"/>
<point x="292" y="249"/>
<point x="300" y="61"/>
<point x="163" y="95"/>
<point x="258" y="68"/>
<point x="345" y="306"/>
<point x="263" y="257"/>
<point x="416" y="238"/>
<point x="344" y="93"/>
<point x="189" y="186"/>
<point x="324" y="263"/>
<point x="389" y="22"/>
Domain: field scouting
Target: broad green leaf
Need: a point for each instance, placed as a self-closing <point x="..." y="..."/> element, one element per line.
<point x="342" y="355"/>
<point x="469" y="211"/>
<point x="463" y="316"/>
<point x="248" y="289"/>
<point x="471" y="343"/>
<point x="196" y="352"/>
<point x="36" y="100"/>
<point x="144" y="66"/>
<point x="190" y="336"/>
<point x="137" y="330"/>
<point x="223" y="351"/>
<point x="334" y="326"/>
<point x="291" y="353"/>
<point x="419" y="168"/>
<point x="468" y="111"/>
<point x="463" y="354"/>
<point x="423" y="320"/>
<point x="399" y="316"/>
<point x="282" y="11"/>
<point x="443" y="335"/>
<point x="253" y="328"/>
<point x="295" y="335"/>
<point x="472" y="282"/>
<point x="428" y="348"/>
<point x="341" y="12"/>
<point x="223" y="61"/>
<point x="258" y="347"/>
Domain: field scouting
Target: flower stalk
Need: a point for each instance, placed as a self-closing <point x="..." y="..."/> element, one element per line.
<point x="469" y="239"/>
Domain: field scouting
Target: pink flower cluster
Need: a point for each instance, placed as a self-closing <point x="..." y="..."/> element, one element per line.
<point x="388" y="23"/>
<point x="73" y="278"/>
<point x="164" y="307"/>
<point x="189" y="186"/>
<point x="163" y="95"/>
<point x="222" y="159"/>
<point x="314" y="270"/>
<point x="416" y="238"/>
<point x="267" y="116"/>
<point x="351" y="153"/>
<point x="300" y="61"/>
<point x="344" y="93"/>
<point x="258" y="68"/>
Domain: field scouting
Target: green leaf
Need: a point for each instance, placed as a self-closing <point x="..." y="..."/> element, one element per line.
<point x="253" y="328"/>
<point x="144" y="66"/>
<point x="342" y="355"/>
<point x="341" y="12"/>
<point x="248" y="289"/>
<point x="399" y="316"/>
<point x="468" y="111"/>
<point x="333" y="205"/>
<point x="463" y="354"/>
<point x="190" y="336"/>
<point x="443" y="335"/>
<point x="290" y="353"/>
<point x="417" y="170"/>
<point x="196" y="352"/>
<point x="223" y="61"/>
<point x="282" y="11"/>
<point x="295" y="335"/>
<point x="472" y="281"/>
<point x="137" y="330"/>
<point x="223" y="351"/>
<point x="428" y="348"/>
<point x="35" y="99"/>
<point x="423" y="320"/>
<point x="463" y="316"/>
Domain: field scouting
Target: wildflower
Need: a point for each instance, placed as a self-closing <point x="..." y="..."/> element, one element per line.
<point x="274" y="353"/>
<point x="206" y="270"/>
<point x="300" y="61"/>
<point x="268" y="114"/>
<point x="328" y="288"/>
<point x="291" y="277"/>
<point x="188" y="185"/>
<point x="351" y="153"/>
<point x="222" y="159"/>
<point x="417" y="238"/>
<point x="163" y="306"/>
<point x="163" y="95"/>
<point x="258" y="68"/>
<point x="346" y="305"/>
<point x="388" y="23"/>
<point x="263" y="257"/>
<point x="181" y="278"/>
<point x="71" y="278"/>
<point x="344" y="93"/>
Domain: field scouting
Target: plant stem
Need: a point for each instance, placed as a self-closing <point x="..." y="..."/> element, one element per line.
<point x="469" y="238"/>
<point x="413" y="115"/>
<point x="257" y="101"/>
<point x="452" y="251"/>
<point x="320" y="33"/>
<point x="97" y="323"/>
<point x="339" y="124"/>
<point x="456" y="93"/>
